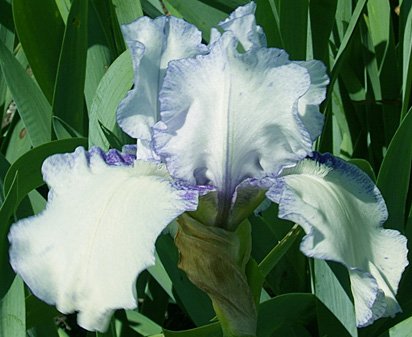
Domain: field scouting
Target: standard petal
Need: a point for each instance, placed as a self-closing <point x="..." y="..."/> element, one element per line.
<point x="85" y="250"/>
<point x="309" y="103"/>
<point x="242" y="24"/>
<point x="153" y="43"/>
<point x="342" y="213"/>
<point x="225" y="114"/>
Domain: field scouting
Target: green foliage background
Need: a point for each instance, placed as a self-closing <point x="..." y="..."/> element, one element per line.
<point x="65" y="68"/>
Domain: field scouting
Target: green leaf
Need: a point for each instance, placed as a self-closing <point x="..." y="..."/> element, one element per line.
<point x="322" y="19"/>
<point x="63" y="130"/>
<point x="382" y="34"/>
<point x="196" y="303"/>
<point x="114" y="142"/>
<point x="276" y="254"/>
<point x="111" y="90"/>
<point x="289" y="273"/>
<point x="159" y="273"/>
<point x="226" y="6"/>
<point x="343" y="47"/>
<point x="402" y="329"/>
<point x="155" y="302"/>
<point x="331" y="292"/>
<point x="406" y="60"/>
<point x="33" y="107"/>
<point x="127" y="10"/>
<point x="6" y="210"/>
<point x="199" y="14"/>
<point x="293" y="16"/>
<point x="12" y="311"/>
<point x="142" y="324"/>
<point x="394" y="175"/>
<point x="7" y="36"/>
<point x="40" y="30"/>
<point x="285" y="311"/>
<point x="267" y="16"/>
<point x="41" y="318"/>
<point x="6" y="273"/>
<point x="100" y="51"/>
<point x="68" y="98"/>
<point x="38" y="312"/>
<point x="64" y="8"/>
<point x="210" y="330"/>
<point x="255" y="280"/>
<point x="19" y="142"/>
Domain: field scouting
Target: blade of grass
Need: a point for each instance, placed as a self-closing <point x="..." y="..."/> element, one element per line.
<point x="19" y="141"/>
<point x="406" y="63"/>
<point x="329" y="290"/>
<point x="322" y="19"/>
<point x="36" y="20"/>
<point x="274" y="256"/>
<point x="402" y="329"/>
<point x="7" y="37"/>
<point x="12" y="311"/>
<point x="202" y="16"/>
<point x="382" y="35"/>
<point x="127" y="10"/>
<point x="267" y="16"/>
<point x="343" y="48"/>
<point x="32" y="105"/>
<point x="293" y="27"/>
<point x="226" y="6"/>
<point x="111" y="90"/>
<point x="395" y="173"/>
<point x="68" y="98"/>
<point x="99" y="54"/>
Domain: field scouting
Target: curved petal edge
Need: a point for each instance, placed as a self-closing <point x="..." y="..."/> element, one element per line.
<point x="153" y="43"/>
<point x="97" y="233"/>
<point x="224" y="114"/>
<point x="342" y="213"/>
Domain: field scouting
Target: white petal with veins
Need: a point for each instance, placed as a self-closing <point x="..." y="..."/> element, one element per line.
<point x="225" y="115"/>
<point x="342" y="213"/>
<point x="97" y="233"/>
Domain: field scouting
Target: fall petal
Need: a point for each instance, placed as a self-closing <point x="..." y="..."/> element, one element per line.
<point x="342" y="213"/>
<point x="97" y="233"/>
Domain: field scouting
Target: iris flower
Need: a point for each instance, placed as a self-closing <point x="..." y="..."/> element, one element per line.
<point x="217" y="126"/>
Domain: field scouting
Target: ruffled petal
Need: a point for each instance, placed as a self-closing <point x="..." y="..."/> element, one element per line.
<point x="342" y="213"/>
<point x="85" y="250"/>
<point x="309" y="103"/>
<point x="225" y="114"/>
<point x="153" y="43"/>
<point x="242" y="24"/>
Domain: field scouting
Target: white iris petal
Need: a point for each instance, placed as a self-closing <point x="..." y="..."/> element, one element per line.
<point x="85" y="250"/>
<point x="342" y="213"/>
<point x="231" y="120"/>
<point x="229" y="116"/>
<point x="153" y="43"/>
<point x="242" y="24"/>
